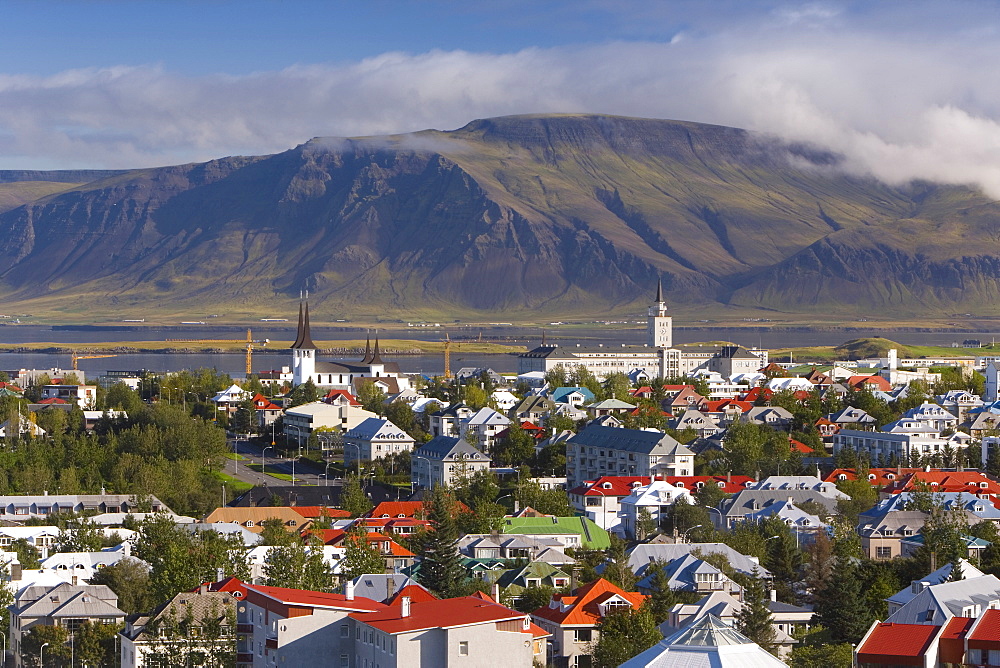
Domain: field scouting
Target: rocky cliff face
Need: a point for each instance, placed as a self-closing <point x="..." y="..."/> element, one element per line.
<point x="527" y="215"/>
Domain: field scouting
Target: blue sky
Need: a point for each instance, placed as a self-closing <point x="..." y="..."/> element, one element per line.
<point x="903" y="89"/>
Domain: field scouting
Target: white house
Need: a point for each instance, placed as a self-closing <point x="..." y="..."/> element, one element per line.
<point x="657" y="498"/>
<point x="375" y="438"/>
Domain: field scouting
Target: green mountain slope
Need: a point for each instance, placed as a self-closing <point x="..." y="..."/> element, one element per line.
<point x="529" y="216"/>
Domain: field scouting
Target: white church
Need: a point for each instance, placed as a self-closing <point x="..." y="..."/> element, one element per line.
<point x="341" y="375"/>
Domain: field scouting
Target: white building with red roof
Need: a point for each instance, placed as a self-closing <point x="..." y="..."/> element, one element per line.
<point x="295" y="627"/>
<point x="471" y="632"/>
<point x="572" y="619"/>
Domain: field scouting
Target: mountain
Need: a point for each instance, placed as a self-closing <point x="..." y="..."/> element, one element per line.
<point x="528" y="216"/>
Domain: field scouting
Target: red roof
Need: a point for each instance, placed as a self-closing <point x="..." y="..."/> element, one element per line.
<point x="986" y="634"/>
<point x="316" y="512"/>
<point x="951" y="647"/>
<point x="406" y="509"/>
<point x="720" y="405"/>
<point x="416" y="593"/>
<point x="622" y="485"/>
<point x="344" y="394"/>
<point x="315" y="599"/>
<point x="444" y="613"/>
<point x="878" y="382"/>
<point x="898" y="644"/>
<point x="971" y="482"/>
<point x="583" y="608"/>
<point x="10" y="386"/>
<point x="757" y="393"/>
<point x="883" y="476"/>
<point x="53" y="400"/>
<point x="799" y="446"/>
<point x="232" y="584"/>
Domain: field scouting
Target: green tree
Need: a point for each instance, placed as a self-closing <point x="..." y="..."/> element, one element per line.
<point x="95" y="644"/>
<point x="515" y="447"/>
<point x="82" y="536"/>
<point x="304" y="393"/>
<point x="298" y="566"/>
<point x="624" y="634"/>
<point x="371" y="397"/>
<point x="841" y="605"/>
<point x="645" y="524"/>
<point x="274" y="532"/>
<point x="822" y="656"/>
<point x="122" y="397"/>
<point x="245" y="418"/>
<point x="27" y="555"/>
<point x="441" y="568"/>
<point x="617" y="386"/>
<point x="533" y="598"/>
<point x="56" y="653"/>
<point x="129" y="580"/>
<point x="360" y="556"/>
<point x="662" y="597"/>
<point x="754" y="618"/>
<point x="546" y="501"/>
<point x="353" y="498"/>
<point x="616" y="568"/>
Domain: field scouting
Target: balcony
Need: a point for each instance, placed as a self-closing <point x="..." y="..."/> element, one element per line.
<point x="244" y="629"/>
<point x="245" y="658"/>
<point x="271" y="643"/>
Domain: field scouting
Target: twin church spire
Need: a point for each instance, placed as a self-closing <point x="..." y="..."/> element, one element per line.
<point x="303" y="336"/>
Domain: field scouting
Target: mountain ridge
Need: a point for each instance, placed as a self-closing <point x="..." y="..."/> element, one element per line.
<point x="536" y="215"/>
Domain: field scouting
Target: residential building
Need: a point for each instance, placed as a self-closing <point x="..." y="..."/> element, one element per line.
<point x="253" y="518"/>
<point x="66" y="605"/>
<point x="572" y="619"/>
<point x="278" y="626"/>
<point x="189" y="628"/>
<point x="689" y="573"/>
<point x="483" y="426"/>
<point x="657" y="499"/>
<point x="936" y="604"/>
<point x="303" y="420"/>
<point x="447" y="421"/>
<point x="644" y="554"/>
<point x="445" y="459"/>
<point x="569" y="532"/>
<point x="373" y="439"/>
<point x="604" y="451"/>
<point x="905" y="447"/>
<point x="744" y="506"/>
<point x="84" y="396"/>
<point x="466" y="632"/>
<point x="943" y="574"/>
<point x="497" y="546"/>
<point x="882" y="533"/>
<point x="22" y="507"/>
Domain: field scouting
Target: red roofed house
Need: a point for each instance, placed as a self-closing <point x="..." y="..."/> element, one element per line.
<point x="294" y="627"/>
<point x="320" y="512"/>
<point x="869" y="382"/>
<point x="599" y="500"/>
<point x="267" y="412"/>
<point x="411" y="509"/>
<point x="572" y="619"/>
<point x="396" y="556"/>
<point x="876" y="476"/>
<point x="340" y="398"/>
<point x="970" y="482"/>
<point x="968" y="641"/>
<point x="470" y="631"/>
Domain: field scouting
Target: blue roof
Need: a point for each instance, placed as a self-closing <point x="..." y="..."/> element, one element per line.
<point x="560" y="393"/>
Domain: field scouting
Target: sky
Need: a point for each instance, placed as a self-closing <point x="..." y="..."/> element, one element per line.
<point x="903" y="90"/>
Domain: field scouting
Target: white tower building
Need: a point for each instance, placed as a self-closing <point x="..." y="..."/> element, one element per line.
<point x="303" y="350"/>
<point x="659" y="326"/>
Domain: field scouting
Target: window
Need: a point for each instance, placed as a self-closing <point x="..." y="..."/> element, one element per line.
<point x="344" y="631"/>
<point x="883" y="553"/>
<point x="582" y="635"/>
<point x="463" y="648"/>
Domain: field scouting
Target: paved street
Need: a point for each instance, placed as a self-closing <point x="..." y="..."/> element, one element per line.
<point x="306" y="473"/>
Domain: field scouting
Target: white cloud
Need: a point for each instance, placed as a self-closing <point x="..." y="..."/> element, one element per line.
<point x="920" y="101"/>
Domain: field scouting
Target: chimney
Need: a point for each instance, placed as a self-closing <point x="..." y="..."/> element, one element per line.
<point x="404" y="608"/>
<point x="349" y="590"/>
<point x="496" y="592"/>
<point x="76" y="580"/>
<point x="729" y="477"/>
<point x="390" y="586"/>
<point x="45" y="492"/>
<point x="203" y="588"/>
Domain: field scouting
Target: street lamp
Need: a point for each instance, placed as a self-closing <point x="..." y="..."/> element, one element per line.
<point x="326" y="473"/>
<point x="41" y="654"/>
<point x="294" y="459"/>
<point x="262" y="453"/>
<point x="412" y="457"/>
<point x="353" y="445"/>
<point x="684" y="535"/>
<point x="722" y="518"/>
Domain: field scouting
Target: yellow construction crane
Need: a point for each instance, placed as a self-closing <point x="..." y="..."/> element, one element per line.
<point x="249" y="341"/>
<point x="447" y="356"/>
<point x="86" y="357"/>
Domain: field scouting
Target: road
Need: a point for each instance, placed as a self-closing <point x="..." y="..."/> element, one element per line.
<point x="306" y="473"/>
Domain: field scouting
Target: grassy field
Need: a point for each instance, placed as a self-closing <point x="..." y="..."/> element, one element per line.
<point x="870" y="348"/>
<point x="388" y="346"/>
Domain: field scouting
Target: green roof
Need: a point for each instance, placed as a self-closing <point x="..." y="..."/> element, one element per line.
<point x="592" y="536"/>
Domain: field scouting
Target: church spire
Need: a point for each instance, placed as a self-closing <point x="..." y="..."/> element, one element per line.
<point x="298" y="331"/>
<point x="368" y="347"/>
<point x="659" y="291"/>
<point x="304" y="338"/>
<point x="376" y="358"/>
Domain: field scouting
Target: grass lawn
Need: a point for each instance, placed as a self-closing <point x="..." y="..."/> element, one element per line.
<point x="237" y="486"/>
<point x="271" y="471"/>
